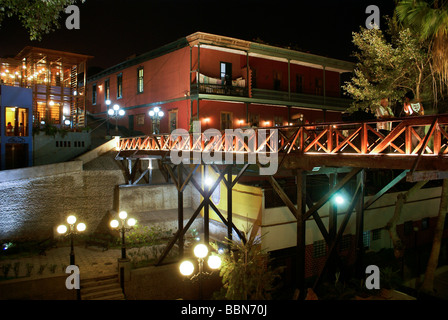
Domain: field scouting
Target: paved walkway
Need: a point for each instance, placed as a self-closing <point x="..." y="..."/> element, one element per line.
<point x="92" y="262"/>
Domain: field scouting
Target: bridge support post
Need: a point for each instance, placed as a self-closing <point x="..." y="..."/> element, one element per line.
<point x="359" y="236"/>
<point x="180" y="209"/>
<point x="301" y="210"/>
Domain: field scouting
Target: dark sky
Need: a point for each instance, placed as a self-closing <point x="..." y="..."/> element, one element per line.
<point x="112" y="30"/>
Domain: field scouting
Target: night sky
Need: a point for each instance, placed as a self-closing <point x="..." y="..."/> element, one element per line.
<point x="112" y="30"/>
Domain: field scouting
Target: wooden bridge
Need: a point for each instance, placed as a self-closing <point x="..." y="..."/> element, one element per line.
<point x="416" y="146"/>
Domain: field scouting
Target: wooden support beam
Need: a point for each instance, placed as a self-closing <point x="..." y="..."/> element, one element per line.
<point x="330" y="193"/>
<point x="229" y="203"/>
<point x="179" y="233"/>
<point x="359" y="246"/>
<point x="278" y="189"/>
<point x="385" y="189"/>
<point x="426" y="175"/>
<point x="301" y="231"/>
<point x="338" y="237"/>
<point x="180" y="209"/>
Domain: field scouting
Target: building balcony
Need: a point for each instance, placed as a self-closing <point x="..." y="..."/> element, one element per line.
<point x="219" y="89"/>
<point x="297" y="99"/>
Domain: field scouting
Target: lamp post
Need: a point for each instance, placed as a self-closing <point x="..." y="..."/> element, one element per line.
<point x="115" y="224"/>
<point x="156" y="114"/>
<point x="201" y="252"/>
<point x="116" y="112"/>
<point x="72" y="231"/>
<point x="108" y="102"/>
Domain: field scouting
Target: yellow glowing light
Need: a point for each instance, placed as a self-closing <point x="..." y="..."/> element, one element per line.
<point x="114" y="223"/>
<point x="200" y="251"/>
<point x="186" y="268"/>
<point x="71" y="219"/>
<point x="81" y="227"/>
<point x="62" y="229"/>
<point x="123" y="215"/>
<point x="214" y="262"/>
<point x="132" y="222"/>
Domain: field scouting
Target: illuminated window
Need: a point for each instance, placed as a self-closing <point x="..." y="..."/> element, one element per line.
<point x="119" y="86"/>
<point x="366" y="239"/>
<point x="16" y="120"/>
<point x="106" y="89"/>
<point x="94" y="93"/>
<point x="278" y="121"/>
<point x="140" y="80"/>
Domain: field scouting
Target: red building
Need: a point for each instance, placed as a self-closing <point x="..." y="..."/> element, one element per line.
<point x="222" y="81"/>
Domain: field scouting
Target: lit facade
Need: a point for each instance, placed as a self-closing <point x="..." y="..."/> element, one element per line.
<point x="57" y="80"/>
<point x="223" y="82"/>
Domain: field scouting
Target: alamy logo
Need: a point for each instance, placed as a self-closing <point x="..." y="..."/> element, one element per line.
<point x="72" y="281"/>
<point x="73" y="21"/>
<point x="236" y="146"/>
<point x="373" y="21"/>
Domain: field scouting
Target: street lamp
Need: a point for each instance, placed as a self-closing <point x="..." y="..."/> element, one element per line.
<point x="156" y="114"/>
<point x="72" y="230"/>
<point x="201" y="252"/>
<point x="124" y="221"/>
<point x="116" y="112"/>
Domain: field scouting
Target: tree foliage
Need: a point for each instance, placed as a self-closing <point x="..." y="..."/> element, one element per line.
<point x="389" y="65"/>
<point x="39" y="17"/>
<point x="429" y="20"/>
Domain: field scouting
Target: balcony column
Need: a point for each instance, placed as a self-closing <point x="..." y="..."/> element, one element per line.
<point x="289" y="79"/>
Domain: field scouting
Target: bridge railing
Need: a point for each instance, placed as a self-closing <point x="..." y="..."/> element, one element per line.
<point x="411" y="135"/>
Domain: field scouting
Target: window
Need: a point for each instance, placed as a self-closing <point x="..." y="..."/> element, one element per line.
<point x="140" y="119"/>
<point x="277" y="80"/>
<point x="345" y="242"/>
<point x="106" y="89"/>
<point x="226" y="73"/>
<point x="278" y="121"/>
<point x="319" y="248"/>
<point x="16" y="120"/>
<point x="226" y="120"/>
<point x="319" y="86"/>
<point x="366" y="239"/>
<point x="299" y="83"/>
<point x="376" y="234"/>
<point x="425" y="223"/>
<point x="119" y="86"/>
<point x="254" y="119"/>
<point x="408" y="227"/>
<point x="140" y="80"/>
<point x="94" y="93"/>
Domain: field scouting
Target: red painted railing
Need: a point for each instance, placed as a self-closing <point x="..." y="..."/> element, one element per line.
<point x="425" y="135"/>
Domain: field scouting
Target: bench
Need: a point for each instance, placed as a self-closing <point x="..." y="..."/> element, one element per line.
<point x="101" y="240"/>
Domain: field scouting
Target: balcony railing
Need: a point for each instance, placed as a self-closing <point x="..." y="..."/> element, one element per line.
<point x="219" y="89"/>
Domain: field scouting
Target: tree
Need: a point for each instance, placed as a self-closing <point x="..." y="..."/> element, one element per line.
<point x="39" y="17"/>
<point x="388" y="68"/>
<point x="245" y="272"/>
<point x="429" y="20"/>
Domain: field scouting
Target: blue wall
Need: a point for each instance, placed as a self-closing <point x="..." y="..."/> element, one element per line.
<point x="15" y="97"/>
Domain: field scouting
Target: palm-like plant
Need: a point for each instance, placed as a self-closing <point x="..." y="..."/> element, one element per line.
<point x="430" y="21"/>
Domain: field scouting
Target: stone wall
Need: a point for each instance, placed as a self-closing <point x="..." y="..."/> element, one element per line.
<point x="33" y="207"/>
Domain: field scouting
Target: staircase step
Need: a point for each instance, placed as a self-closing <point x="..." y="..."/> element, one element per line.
<point x="100" y="295"/>
<point x="104" y="287"/>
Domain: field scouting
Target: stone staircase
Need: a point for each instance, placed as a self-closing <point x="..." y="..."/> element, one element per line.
<point x="102" y="288"/>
